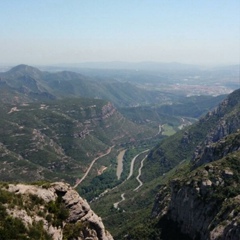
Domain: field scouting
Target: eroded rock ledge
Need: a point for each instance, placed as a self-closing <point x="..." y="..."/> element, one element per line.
<point x="205" y="203"/>
<point x="79" y="211"/>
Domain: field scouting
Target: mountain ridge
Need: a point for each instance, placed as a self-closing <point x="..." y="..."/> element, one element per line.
<point x="57" y="140"/>
<point x="60" y="136"/>
<point x="202" y="200"/>
<point x="26" y="79"/>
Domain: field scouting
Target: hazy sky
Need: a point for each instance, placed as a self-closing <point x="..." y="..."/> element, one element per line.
<point x="73" y="31"/>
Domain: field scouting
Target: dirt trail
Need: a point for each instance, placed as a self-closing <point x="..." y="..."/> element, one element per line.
<point x="89" y="168"/>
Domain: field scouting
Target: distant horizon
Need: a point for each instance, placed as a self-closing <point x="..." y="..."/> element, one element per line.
<point x="77" y="64"/>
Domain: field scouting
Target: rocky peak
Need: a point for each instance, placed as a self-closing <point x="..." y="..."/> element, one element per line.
<point x="80" y="217"/>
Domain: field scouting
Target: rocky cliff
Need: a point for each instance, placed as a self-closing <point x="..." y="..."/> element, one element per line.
<point x="203" y="201"/>
<point x="56" y="209"/>
<point x="228" y="122"/>
<point x="205" y="205"/>
<point x="217" y="150"/>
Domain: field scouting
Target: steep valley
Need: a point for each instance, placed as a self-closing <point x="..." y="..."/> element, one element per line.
<point x="151" y="170"/>
<point x="193" y="177"/>
<point x="58" y="139"/>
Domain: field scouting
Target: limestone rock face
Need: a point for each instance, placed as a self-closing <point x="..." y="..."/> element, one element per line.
<point x="79" y="211"/>
<point x="228" y="123"/>
<point x="46" y="194"/>
<point x="201" y="217"/>
<point x="198" y="205"/>
<point x="203" y="198"/>
<point x="217" y="150"/>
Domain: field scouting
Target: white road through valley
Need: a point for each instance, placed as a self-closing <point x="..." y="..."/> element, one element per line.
<point x="89" y="168"/>
<point x="132" y="163"/>
<point x="130" y="175"/>
<point x="159" y="129"/>
<point x="116" y="204"/>
<point x="139" y="174"/>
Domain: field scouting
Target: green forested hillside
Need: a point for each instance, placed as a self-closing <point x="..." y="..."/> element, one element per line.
<point x="33" y="84"/>
<point x="59" y="138"/>
<point x="50" y="133"/>
<point x="181" y="146"/>
<point x="182" y="157"/>
<point x="191" y="107"/>
<point x="201" y="195"/>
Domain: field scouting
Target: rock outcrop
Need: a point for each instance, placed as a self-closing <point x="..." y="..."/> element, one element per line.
<point x="216" y="150"/>
<point x="78" y="211"/>
<point x="201" y="209"/>
<point x="203" y="200"/>
<point x="205" y="204"/>
<point x="228" y="122"/>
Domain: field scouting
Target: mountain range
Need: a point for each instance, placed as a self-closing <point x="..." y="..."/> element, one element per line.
<point x="55" y="125"/>
<point x="32" y="84"/>
<point x="58" y="138"/>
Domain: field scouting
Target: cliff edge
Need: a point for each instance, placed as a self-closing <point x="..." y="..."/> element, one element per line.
<point x="48" y="211"/>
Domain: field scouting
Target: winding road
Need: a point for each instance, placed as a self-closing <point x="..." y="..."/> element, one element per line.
<point x="132" y="163"/>
<point x="159" y="130"/>
<point x="139" y="174"/>
<point x="89" y="168"/>
<point x="116" y="204"/>
<point x="130" y="175"/>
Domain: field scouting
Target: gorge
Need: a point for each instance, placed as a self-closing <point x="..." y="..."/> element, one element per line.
<point x="169" y="172"/>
